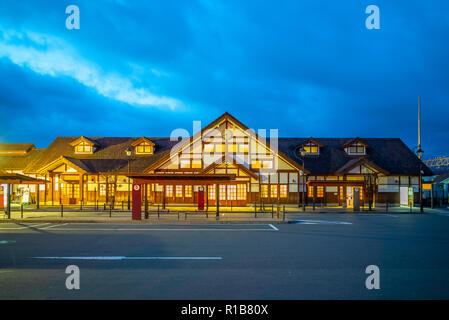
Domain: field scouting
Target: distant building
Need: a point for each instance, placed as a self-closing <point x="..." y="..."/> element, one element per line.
<point x="234" y="164"/>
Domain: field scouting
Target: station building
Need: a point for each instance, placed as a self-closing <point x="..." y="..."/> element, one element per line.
<point x="226" y="159"/>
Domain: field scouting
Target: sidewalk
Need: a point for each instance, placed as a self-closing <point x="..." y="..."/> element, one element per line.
<point x="117" y="216"/>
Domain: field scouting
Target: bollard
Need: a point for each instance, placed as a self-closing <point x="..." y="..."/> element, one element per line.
<point x="386" y="207"/>
<point x="81" y="205"/>
<point x="207" y="215"/>
<point x="110" y="211"/>
<point x="62" y="210"/>
<point x="158" y="215"/>
<point x="185" y="215"/>
<point x="255" y="212"/>
<point x="283" y="216"/>
<point x="178" y="215"/>
<point x="104" y="206"/>
<point x="96" y="205"/>
<point x="21" y="210"/>
<point x="123" y="208"/>
<point x="272" y="209"/>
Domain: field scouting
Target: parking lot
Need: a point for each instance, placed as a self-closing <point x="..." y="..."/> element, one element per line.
<point x="315" y="257"/>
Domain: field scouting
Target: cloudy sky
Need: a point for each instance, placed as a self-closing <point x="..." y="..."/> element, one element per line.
<point x="305" y="67"/>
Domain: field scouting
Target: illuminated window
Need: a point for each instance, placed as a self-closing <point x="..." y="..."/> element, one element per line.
<point x="232" y="148"/>
<point x="310" y="192"/>
<point x="320" y="192"/>
<point x="102" y="189"/>
<point x="219" y="148"/>
<point x="268" y="164"/>
<point x="196" y="164"/>
<point x="311" y="149"/>
<point x="144" y="148"/>
<point x="185" y="163"/>
<point x="232" y="192"/>
<point x="83" y="147"/>
<point x="209" y="148"/>
<point x="188" y="191"/>
<point x="255" y="164"/>
<point x="169" y="191"/>
<point x="243" y="148"/>
<point x="274" y="191"/>
<point x="211" y="192"/>
<point x="222" y="192"/>
<point x="264" y="191"/>
<point x="283" y="191"/>
<point x="241" y="192"/>
<point x="178" y="191"/>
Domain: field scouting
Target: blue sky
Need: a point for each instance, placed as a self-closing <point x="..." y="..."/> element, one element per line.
<point x="307" y="68"/>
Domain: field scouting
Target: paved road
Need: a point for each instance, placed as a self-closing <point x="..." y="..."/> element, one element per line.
<point x="321" y="257"/>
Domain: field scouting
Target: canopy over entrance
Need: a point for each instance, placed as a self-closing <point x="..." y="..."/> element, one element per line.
<point x="17" y="178"/>
<point x="350" y="183"/>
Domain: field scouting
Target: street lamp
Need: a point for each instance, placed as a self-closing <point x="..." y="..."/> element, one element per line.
<point x="301" y="173"/>
<point x="129" y="152"/>
<point x="420" y="153"/>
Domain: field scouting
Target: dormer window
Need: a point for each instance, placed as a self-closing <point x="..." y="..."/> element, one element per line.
<point x="355" y="147"/>
<point x="311" y="147"/>
<point x="143" y="146"/>
<point x="84" y="145"/>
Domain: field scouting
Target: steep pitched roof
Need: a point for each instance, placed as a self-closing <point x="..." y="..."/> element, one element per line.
<point x="110" y="156"/>
<point x="390" y="154"/>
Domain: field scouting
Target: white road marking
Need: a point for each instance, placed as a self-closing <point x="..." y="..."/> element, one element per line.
<point x="274" y="227"/>
<point x="7" y="241"/>
<point x="55" y="225"/>
<point x="320" y="222"/>
<point x="25" y="227"/>
<point x="108" y="258"/>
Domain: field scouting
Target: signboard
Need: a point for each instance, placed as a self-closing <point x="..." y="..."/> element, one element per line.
<point x="201" y="198"/>
<point x="137" y="202"/>
<point x="356" y="203"/>
<point x="2" y="195"/>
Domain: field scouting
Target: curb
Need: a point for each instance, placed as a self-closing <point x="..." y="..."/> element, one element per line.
<point x="150" y="221"/>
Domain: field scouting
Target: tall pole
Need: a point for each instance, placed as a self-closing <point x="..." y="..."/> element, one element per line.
<point x="129" y="185"/>
<point x="421" y="208"/>
<point x="419" y="124"/>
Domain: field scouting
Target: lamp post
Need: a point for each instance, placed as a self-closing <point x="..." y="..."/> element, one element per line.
<point x="420" y="153"/>
<point x="303" y="153"/>
<point x="128" y="154"/>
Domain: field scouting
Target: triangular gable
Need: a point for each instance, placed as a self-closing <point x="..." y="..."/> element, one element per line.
<point x="311" y="140"/>
<point x="238" y="165"/>
<point x="64" y="161"/>
<point x="364" y="162"/>
<point x="225" y="119"/>
<point x="84" y="139"/>
<point x="355" y="140"/>
<point x="141" y="140"/>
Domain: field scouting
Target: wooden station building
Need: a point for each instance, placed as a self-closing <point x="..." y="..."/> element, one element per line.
<point x="225" y="158"/>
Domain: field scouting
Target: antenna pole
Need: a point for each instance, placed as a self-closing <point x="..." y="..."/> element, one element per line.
<point x="419" y="124"/>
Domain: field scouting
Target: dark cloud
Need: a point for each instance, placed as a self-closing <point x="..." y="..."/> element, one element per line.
<point x="309" y="68"/>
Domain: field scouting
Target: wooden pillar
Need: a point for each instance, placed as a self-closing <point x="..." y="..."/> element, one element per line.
<point x="38" y="187"/>
<point x="45" y="190"/>
<point x="163" y="196"/>
<point x="207" y="197"/>
<point x="59" y="189"/>
<point x="115" y="189"/>
<point x="52" y="178"/>
<point x="217" y="199"/>
<point x="8" y="198"/>
<point x="146" y="198"/>
<point x="107" y="189"/>
<point x="98" y="188"/>
<point x="81" y="188"/>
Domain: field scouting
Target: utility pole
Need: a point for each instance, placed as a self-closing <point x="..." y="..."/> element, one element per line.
<point x="420" y="153"/>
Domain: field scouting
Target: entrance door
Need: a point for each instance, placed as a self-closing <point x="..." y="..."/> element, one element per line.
<point x="349" y="197"/>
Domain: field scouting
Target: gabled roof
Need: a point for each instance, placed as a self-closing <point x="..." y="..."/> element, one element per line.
<point x="110" y="157"/>
<point x="354" y="140"/>
<point x="19" y="162"/>
<point x="311" y="140"/>
<point x="360" y="161"/>
<point x="140" y="140"/>
<point x="224" y="117"/>
<point x="84" y="139"/>
<point x="6" y="148"/>
<point x="390" y="154"/>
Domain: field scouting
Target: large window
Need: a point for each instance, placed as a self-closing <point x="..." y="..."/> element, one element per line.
<point x="185" y="163"/>
<point x="274" y="191"/>
<point x="283" y="191"/>
<point x="319" y="192"/>
<point x="241" y="192"/>
<point x="222" y="192"/>
<point x="232" y="192"/>
<point x="256" y="164"/>
<point x="144" y="148"/>
<point x="178" y="191"/>
<point x="169" y="191"/>
<point x="264" y="190"/>
<point x="83" y="147"/>
<point x="188" y="191"/>
<point x="211" y="192"/>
